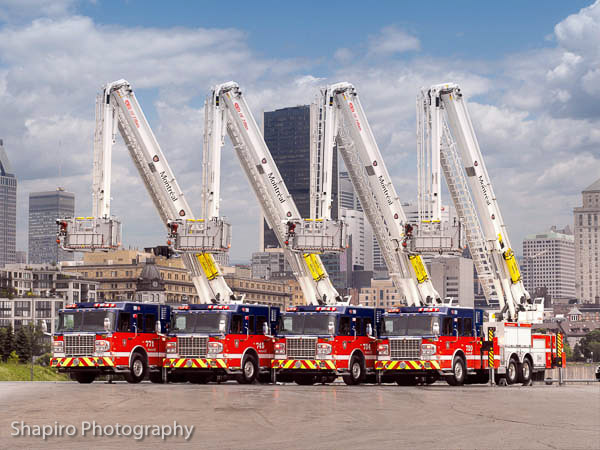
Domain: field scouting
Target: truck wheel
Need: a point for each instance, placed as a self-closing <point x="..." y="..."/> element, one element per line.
<point x="512" y="371"/>
<point x="85" y="377"/>
<point x="459" y="372"/>
<point x="357" y="372"/>
<point x="137" y="369"/>
<point x="249" y="370"/>
<point x="525" y="372"/>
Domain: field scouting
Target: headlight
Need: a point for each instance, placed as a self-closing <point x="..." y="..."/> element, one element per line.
<point x="280" y="348"/>
<point x="215" y="347"/>
<point x="428" y="349"/>
<point x="102" y="346"/>
<point x="171" y="347"/>
<point x="324" y="349"/>
<point x="58" y="347"/>
<point x="383" y="349"/>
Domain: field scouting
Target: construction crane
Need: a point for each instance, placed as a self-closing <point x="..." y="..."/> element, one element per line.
<point x="226" y="111"/>
<point x="447" y="144"/>
<point x="117" y="106"/>
<point x="343" y="122"/>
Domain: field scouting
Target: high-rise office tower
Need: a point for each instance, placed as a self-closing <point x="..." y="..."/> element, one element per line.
<point x="549" y="262"/>
<point x="587" y="247"/>
<point x="44" y="209"/>
<point x="8" y="209"/>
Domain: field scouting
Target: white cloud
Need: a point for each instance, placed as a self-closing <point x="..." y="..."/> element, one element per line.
<point x="392" y="40"/>
<point x="18" y="10"/>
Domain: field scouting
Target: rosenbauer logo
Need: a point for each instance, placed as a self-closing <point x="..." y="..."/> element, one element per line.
<point x="355" y="117"/>
<point x="241" y="114"/>
<point x="132" y="113"/>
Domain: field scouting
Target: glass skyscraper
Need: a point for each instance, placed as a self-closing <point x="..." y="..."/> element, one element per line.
<point x="44" y="209"/>
<point x="8" y="210"/>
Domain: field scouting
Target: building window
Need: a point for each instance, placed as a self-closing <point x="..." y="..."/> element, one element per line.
<point x="5" y="309"/>
<point x="22" y="308"/>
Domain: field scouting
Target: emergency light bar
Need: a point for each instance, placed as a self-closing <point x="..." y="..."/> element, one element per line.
<point x="326" y="308"/>
<point x="104" y="305"/>
<point x="429" y="309"/>
<point x="218" y="306"/>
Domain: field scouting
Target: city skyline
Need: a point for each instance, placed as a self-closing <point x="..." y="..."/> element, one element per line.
<point x="540" y="149"/>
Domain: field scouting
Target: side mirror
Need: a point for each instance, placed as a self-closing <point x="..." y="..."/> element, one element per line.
<point x="157" y="327"/>
<point x="106" y="324"/>
<point x="222" y="325"/>
<point x="436" y="329"/>
<point x="331" y="328"/>
<point x="265" y="329"/>
<point x="369" y="330"/>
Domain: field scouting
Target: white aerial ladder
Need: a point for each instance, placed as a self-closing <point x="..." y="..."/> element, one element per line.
<point x="117" y="106"/>
<point x="447" y="143"/>
<point x="226" y="110"/>
<point x="343" y="122"/>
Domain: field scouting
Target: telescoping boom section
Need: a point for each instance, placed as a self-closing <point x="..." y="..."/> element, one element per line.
<point x="454" y="144"/>
<point x="345" y="124"/>
<point x="226" y="111"/>
<point x="196" y="239"/>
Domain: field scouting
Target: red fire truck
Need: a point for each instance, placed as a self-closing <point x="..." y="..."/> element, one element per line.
<point x="319" y="343"/>
<point x="123" y="338"/>
<point x="424" y="344"/>
<point x="220" y="342"/>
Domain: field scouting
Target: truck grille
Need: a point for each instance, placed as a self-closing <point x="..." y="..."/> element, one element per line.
<point x="405" y="348"/>
<point x="79" y="344"/>
<point x="192" y="346"/>
<point x="300" y="347"/>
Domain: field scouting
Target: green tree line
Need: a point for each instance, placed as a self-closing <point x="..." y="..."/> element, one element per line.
<point x="24" y="342"/>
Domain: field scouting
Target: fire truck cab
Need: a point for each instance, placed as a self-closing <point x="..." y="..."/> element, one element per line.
<point x="424" y="344"/>
<point x="124" y="338"/>
<point x="319" y="343"/>
<point x="220" y="342"/>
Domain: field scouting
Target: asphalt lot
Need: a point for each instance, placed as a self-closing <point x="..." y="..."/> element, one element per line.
<point x="306" y="417"/>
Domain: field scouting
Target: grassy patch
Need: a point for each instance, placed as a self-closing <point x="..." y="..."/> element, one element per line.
<point x="11" y="371"/>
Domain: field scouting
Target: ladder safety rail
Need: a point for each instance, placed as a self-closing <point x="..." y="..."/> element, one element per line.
<point x="117" y="107"/>
<point x="300" y="239"/>
<point x="346" y="121"/>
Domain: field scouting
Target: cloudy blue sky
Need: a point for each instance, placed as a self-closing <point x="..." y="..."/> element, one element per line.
<point x="530" y="70"/>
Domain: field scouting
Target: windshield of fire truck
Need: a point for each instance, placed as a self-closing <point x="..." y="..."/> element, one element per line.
<point x="92" y="320"/>
<point x="408" y="325"/>
<point x="302" y="323"/>
<point x="197" y="322"/>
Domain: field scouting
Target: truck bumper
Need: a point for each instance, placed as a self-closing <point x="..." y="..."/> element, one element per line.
<point x="407" y="365"/>
<point x="82" y="362"/>
<point x="196" y="363"/>
<point x="303" y="364"/>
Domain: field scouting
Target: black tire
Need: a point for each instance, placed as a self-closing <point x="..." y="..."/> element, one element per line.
<point x="199" y="378"/>
<point x="525" y="373"/>
<point x="156" y="377"/>
<point x="249" y="370"/>
<point x="512" y="371"/>
<point x="357" y="371"/>
<point x="85" y="377"/>
<point x="430" y="379"/>
<point x="137" y="369"/>
<point x="305" y="380"/>
<point x="459" y="372"/>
